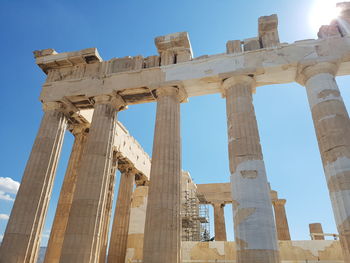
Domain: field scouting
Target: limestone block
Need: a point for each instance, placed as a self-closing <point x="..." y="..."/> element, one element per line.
<point x="126" y="64"/>
<point x="316" y="228"/>
<point x="322" y="251"/>
<point x="268" y="32"/>
<point x="311" y="251"/>
<point x="329" y="31"/>
<point x="174" y="48"/>
<point x="251" y="44"/>
<point x="173" y="41"/>
<point x="44" y="52"/>
<point x="151" y="61"/>
<point x="183" y="55"/>
<point x="233" y="46"/>
<point x="216" y="193"/>
<point x="167" y="57"/>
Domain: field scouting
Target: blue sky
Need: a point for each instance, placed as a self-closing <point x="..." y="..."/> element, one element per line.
<point x="127" y="28"/>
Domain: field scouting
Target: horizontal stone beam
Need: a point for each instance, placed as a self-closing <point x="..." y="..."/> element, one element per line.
<point x="133" y="81"/>
<point x="220" y="193"/>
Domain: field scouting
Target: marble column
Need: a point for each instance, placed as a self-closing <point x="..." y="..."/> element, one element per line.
<point x="137" y="223"/>
<point x="219" y="222"/>
<point x="316" y="228"/>
<point x="162" y="227"/>
<point x="22" y="237"/>
<point x="255" y="231"/>
<point x="82" y="239"/>
<point x="120" y="228"/>
<point x="108" y="213"/>
<point x="54" y="246"/>
<point x="281" y="219"/>
<point x="332" y="126"/>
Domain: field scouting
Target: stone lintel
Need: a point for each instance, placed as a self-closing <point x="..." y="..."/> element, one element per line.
<point x="220" y="193"/>
<point x="48" y="59"/>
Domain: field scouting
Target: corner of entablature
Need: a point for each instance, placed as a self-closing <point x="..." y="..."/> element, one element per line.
<point x="49" y="59"/>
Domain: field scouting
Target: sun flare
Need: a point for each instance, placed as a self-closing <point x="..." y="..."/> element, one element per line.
<point x="323" y="12"/>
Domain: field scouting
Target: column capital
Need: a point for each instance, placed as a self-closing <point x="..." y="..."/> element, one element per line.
<point x="217" y="204"/>
<point x="273" y="195"/>
<point x="170" y="90"/>
<point x="279" y="202"/>
<point x="126" y="168"/>
<point x="238" y="80"/>
<point x="77" y="129"/>
<point x="305" y="72"/>
<point x="53" y="106"/>
<point x="113" y="99"/>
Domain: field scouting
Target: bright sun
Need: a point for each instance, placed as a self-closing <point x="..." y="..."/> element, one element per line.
<point x="322" y="13"/>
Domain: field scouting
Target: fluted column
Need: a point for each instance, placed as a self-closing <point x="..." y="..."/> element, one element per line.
<point x="316" y="228"/>
<point x="22" y="237"/>
<point x="281" y="219"/>
<point x="332" y="126"/>
<point x="108" y="212"/>
<point x="219" y="222"/>
<point x="120" y="228"/>
<point x="137" y="223"/>
<point x="255" y="232"/>
<point x="53" y="251"/>
<point x="82" y="239"/>
<point x="162" y="227"/>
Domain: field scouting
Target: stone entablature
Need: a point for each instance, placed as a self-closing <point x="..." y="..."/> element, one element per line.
<point x="199" y="76"/>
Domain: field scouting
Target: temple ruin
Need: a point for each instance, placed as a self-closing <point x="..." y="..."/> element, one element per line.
<point x="161" y="213"/>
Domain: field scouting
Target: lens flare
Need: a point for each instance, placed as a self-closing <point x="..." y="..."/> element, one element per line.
<point x="322" y="13"/>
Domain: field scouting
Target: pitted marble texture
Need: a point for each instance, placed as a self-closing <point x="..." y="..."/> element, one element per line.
<point x="245" y="191"/>
<point x="322" y="87"/>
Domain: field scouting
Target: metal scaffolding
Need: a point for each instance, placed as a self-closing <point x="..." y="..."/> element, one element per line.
<point x="195" y="218"/>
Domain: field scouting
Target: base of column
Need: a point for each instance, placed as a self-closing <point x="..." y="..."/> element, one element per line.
<point x="258" y="256"/>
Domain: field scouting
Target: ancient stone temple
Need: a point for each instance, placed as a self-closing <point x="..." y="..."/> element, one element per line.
<point x="160" y="211"/>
